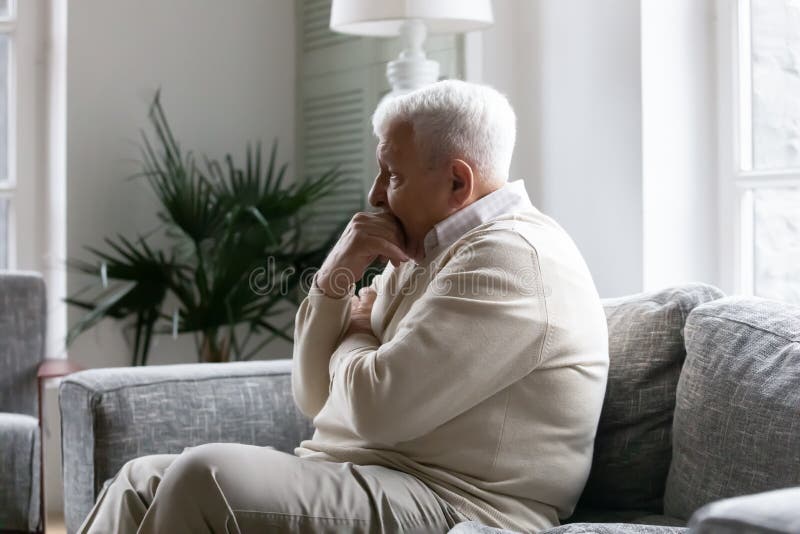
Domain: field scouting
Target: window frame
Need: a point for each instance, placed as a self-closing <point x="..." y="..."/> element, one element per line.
<point x="8" y="187"/>
<point x="737" y="177"/>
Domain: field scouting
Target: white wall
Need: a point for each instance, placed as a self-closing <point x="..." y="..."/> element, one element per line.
<point x="571" y="69"/>
<point x="227" y="73"/>
<point x="679" y="134"/>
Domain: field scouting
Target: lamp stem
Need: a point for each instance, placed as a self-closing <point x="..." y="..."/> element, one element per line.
<point x="414" y="34"/>
<point x="412" y="69"/>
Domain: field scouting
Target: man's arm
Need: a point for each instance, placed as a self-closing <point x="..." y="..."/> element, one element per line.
<point x="325" y="313"/>
<point x="318" y="326"/>
<point x="480" y="326"/>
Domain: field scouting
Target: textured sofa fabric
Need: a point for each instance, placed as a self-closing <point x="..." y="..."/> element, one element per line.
<point x="588" y="515"/>
<point x="23" y="318"/>
<point x="471" y="527"/>
<point x="110" y="416"/>
<point x="615" y="528"/>
<point x="22" y="337"/>
<point x="633" y="443"/>
<point x="737" y="418"/>
<point x="770" y="512"/>
<point x="19" y="472"/>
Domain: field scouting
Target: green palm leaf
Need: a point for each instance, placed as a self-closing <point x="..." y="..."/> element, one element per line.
<point x="218" y="224"/>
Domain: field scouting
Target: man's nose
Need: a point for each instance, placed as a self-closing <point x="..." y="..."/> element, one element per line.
<point x="377" y="194"/>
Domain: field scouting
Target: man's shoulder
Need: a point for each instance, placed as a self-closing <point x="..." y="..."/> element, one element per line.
<point x="524" y="229"/>
<point x="505" y="242"/>
<point x="516" y="240"/>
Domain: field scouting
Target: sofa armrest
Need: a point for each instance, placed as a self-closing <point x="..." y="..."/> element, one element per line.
<point x="110" y="416"/>
<point x="770" y="512"/>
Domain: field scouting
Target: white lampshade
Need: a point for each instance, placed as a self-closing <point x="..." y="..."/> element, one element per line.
<point x="384" y="18"/>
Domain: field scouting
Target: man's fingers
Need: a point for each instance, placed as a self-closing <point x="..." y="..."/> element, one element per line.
<point x="391" y="223"/>
<point x="386" y="233"/>
<point x="393" y="238"/>
<point x="385" y="221"/>
<point x="388" y="249"/>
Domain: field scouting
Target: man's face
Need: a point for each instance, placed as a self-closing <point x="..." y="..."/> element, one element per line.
<point x="407" y="188"/>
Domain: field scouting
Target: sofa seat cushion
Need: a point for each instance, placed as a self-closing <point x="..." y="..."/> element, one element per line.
<point x="633" y="443"/>
<point x="737" y="418"/>
<point x="588" y="515"/>
<point x="603" y="522"/>
<point x="615" y="528"/>
<point x="19" y="472"/>
<point x="473" y="527"/>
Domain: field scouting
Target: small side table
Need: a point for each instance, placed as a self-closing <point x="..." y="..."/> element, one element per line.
<point x="48" y="369"/>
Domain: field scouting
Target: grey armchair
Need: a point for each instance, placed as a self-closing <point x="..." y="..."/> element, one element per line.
<point x="22" y="338"/>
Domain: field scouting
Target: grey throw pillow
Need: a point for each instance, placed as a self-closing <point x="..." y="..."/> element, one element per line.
<point x="737" y="418"/>
<point x="633" y="443"/>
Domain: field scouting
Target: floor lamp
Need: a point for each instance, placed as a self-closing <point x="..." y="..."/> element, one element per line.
<point x="413" y="20"/>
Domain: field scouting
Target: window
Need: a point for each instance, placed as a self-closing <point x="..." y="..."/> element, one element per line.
<point x="33" y="149"/>
<point x="24" y="153"/>
<point x="760" y="146"/>
<point x="7" y="175"/>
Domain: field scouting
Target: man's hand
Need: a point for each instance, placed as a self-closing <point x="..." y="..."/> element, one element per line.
<point x="361" y="311"/>
<point x="368" y="236"/>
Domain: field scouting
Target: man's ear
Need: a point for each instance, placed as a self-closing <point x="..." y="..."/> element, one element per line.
<point x="462" y="181"/>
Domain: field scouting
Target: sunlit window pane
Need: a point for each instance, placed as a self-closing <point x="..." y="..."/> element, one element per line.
<point x="4" y="40"/>
<point x="776" y="83"/>
<point x="776" y="234"/>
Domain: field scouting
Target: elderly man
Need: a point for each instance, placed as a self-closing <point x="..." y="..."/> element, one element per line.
<point x="465" y="383"/>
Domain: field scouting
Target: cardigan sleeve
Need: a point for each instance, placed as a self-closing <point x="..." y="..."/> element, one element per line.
<point x="319" y="324"/>
<point x="480" y="326"/>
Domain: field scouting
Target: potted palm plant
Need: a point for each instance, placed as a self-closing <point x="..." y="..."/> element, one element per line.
<point x="219" y="223"/>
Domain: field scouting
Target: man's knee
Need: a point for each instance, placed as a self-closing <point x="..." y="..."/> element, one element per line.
<point x="145" y="472"/>
<point x="190" y="472"/>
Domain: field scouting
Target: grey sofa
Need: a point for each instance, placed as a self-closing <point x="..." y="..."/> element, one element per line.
<point x="22" y="338"/>
<point x="703" y="404"/>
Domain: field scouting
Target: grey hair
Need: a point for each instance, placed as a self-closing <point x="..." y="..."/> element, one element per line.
<point x="456" y="119"/>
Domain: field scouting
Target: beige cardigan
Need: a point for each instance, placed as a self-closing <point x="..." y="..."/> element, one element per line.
<point x="485" y="377"/>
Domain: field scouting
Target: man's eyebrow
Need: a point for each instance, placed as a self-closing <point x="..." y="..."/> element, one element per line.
<point x="383" y="154"/>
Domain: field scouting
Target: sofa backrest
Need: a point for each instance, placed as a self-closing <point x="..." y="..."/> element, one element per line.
<point x="22" y="338"/>
<point x="737" y="417"/>
<point x="633" y="443"/>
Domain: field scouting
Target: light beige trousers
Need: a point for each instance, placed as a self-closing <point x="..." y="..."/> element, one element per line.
<point x="234" y="488"/>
